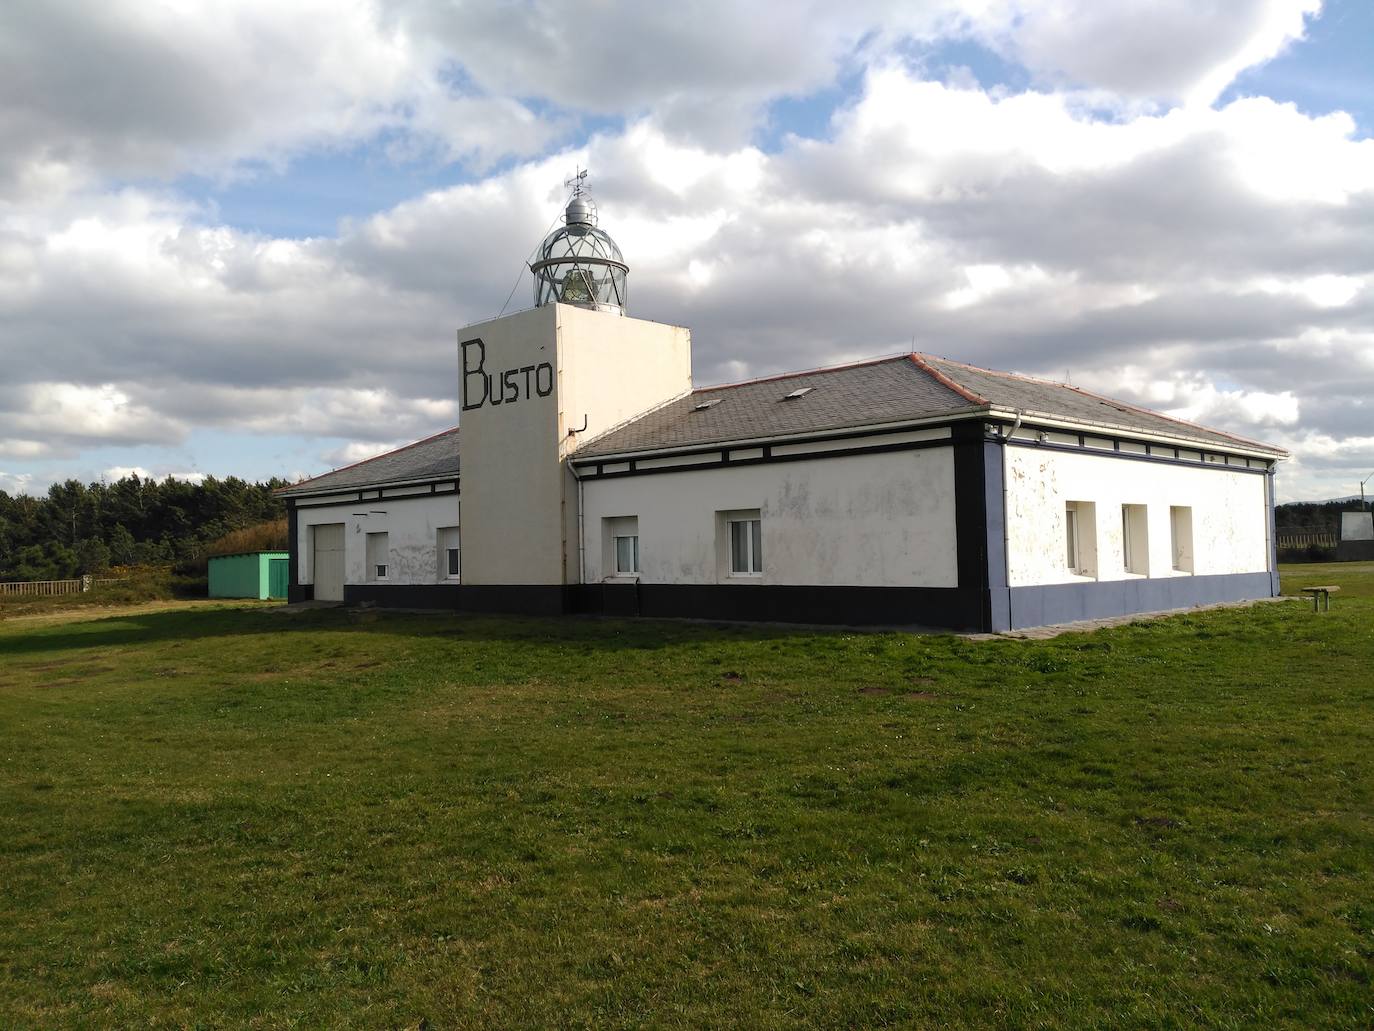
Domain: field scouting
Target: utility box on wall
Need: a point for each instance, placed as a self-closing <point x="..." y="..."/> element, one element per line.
<point x="254" y="574"/>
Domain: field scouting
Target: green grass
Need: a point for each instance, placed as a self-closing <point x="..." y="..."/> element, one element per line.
<point x="219" y="816"/>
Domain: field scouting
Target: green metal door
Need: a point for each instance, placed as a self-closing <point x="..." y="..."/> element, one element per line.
<point x="278" y="572"/>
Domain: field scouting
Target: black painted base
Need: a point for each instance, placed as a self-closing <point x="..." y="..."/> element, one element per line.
<point x="403" y="596"/>
<point x="1070" y="603"/>
<point x="952" y="608"/>
<point x="947" y="607"/>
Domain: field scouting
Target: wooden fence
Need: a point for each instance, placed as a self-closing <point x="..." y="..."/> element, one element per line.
<point x="1289" y="539"/>
<point x="44" y="587"/>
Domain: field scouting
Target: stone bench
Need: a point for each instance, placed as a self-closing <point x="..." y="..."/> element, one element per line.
<point x="1322" y="594"/>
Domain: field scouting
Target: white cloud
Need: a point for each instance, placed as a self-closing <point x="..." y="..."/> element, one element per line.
<point x="119" y="472"/>
<point x="16" y="483"/>
<point x="52" y="416"/>
<point x="1151" y="49"/>
<point x="359" y="451"/>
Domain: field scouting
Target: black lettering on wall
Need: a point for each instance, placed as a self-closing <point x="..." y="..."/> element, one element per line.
<point x="470" y="371"/>
<point x="480" y="387"/>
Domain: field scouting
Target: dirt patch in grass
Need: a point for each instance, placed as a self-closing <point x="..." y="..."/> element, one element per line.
<point x="1161" y="822"/>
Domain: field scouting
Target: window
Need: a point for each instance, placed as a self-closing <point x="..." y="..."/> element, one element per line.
<point x="620" y="546"/>
<point x="378" y="557"/>
<point x="627" y="554"/>
<point x="1135" y="541"/>
<point x="1181" y="537"/>
<point x="746" y="544"/>
<point x="447" y="551"/>
<point x="1071" y="526"/>
<point x="1080" y="538"/>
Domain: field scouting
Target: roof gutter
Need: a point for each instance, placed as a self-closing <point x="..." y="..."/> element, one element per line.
<point x="1251" y="450"/>
<point x="785" y="438"/>
<point x="300" y="491"/>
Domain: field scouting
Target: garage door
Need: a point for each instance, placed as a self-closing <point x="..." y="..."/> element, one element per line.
<point x="328" y="564"/>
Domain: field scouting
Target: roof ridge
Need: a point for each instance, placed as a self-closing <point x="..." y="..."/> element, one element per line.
<point x="920" y="361"/>
<point x="803" y="372"/>
<point x="364" y="461"/>
<point x="1170" y="418"/>
<point x="1107" y="399"/>
<point x="999" y="372"/>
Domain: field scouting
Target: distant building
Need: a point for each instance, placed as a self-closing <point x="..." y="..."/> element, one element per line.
<point x="903" y="490"/>
<point x="249" y="574"/>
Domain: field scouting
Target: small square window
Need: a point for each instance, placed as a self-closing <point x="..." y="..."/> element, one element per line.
<point x="1135" y="540"/>
<point x="378" y="557"/>
<point x="627" y="554"/>
<point x="746" y="544"/>
<point x="1181" y="537"/>
<point x="1080" y="538"/>
<point x="620" y="546"/>
<point x="447" y="549"/>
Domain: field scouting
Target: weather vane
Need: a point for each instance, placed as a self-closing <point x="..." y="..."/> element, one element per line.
<point x="578" y="182"/>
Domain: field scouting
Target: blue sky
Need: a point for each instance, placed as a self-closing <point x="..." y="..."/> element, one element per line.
<point x="291" y="243"/>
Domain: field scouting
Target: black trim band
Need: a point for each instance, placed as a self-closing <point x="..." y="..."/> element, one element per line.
<point x="392" y="497"/>
<point x="768" y="458"/>
<point x="1072" y="449"/>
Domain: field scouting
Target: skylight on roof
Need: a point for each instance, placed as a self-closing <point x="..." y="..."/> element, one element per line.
<point x="701" y="406"/>
<point x="799" y="392"/>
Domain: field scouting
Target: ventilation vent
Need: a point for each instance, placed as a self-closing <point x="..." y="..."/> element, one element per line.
<point x="799" y="392"/>
<point x="701" y="406"/>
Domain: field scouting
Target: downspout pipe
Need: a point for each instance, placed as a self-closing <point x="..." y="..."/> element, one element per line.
<point x="581" y="531"/>
<point x="1006" y="522"/>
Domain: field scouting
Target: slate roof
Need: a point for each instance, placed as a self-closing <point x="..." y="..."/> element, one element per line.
<point x="1061" y="401"/>
<point x="885" y="390"/>
<point x="434" y="457"/>
<point x="871" y="393"/>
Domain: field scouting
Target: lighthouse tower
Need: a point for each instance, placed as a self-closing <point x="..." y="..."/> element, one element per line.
<point x="536" y="385"/>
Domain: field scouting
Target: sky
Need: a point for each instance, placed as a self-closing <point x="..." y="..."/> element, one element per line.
<point x="239" y="238"/>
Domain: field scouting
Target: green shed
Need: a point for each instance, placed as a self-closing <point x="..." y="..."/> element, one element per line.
<point x="253" y="574"/>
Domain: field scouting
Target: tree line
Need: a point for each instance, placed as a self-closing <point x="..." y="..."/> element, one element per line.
<point x="79" y="528"/>
<point x="1313" y="515"/>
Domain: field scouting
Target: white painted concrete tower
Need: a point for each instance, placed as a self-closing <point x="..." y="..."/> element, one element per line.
<point x="533" y="386"/>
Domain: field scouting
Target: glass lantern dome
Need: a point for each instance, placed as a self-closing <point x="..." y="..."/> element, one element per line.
<point x="579" y="264"/>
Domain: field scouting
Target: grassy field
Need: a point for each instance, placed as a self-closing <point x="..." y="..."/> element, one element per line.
<point x="220" y="816"/>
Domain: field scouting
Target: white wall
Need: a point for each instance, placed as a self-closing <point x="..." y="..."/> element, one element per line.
<point x="518" y="498"/>
<point x="877" y="520"/>
<point x="512" y="481"/>
<point x="412" y="526"/>
<point x="1229" y="518"/>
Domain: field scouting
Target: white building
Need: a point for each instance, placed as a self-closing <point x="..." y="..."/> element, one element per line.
<point x="904" y="490"/>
